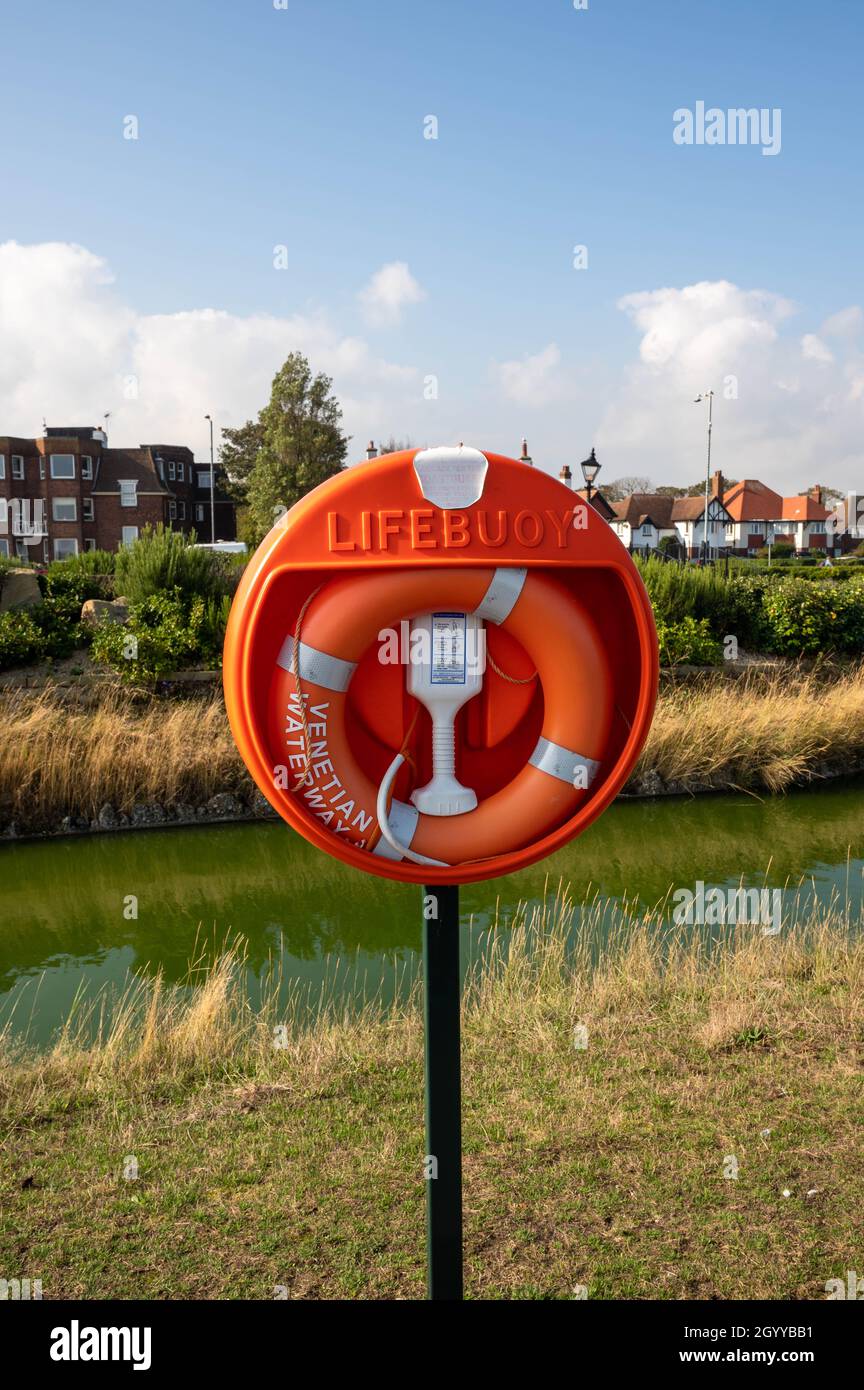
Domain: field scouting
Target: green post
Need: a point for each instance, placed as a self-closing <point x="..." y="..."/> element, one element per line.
<point x="443" y="1098"/>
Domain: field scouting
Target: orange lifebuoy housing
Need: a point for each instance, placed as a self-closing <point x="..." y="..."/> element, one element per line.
<point x="345" y="618"/>
<point x="562" y="712"/>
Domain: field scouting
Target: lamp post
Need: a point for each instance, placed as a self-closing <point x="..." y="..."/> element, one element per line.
<point x="709" y="397"/>
<point x="212" y="486"/>
<point x="590" y="468"/>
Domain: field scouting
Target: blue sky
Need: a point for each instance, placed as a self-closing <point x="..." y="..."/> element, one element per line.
<point x="303" y="127"/>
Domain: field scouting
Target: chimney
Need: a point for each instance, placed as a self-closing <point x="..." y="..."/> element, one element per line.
<point x="816" y="493"/>
<point x="371" y="452"/>
<point x="525" y="456"/>
<point x="717" y="485"/>
<point x="566" y="476"/>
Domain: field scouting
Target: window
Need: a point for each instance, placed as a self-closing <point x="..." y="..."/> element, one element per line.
<point x="87" y="509"/>
<point x="161" y="468"/>
<point x="64" y="509"/>
<point x="86" y="467"/>
<point x="128" y="492"/>
<point x="646" y="530"/>
<point x="4" y="546"/>
<point x="129" y="534"/>
<point x="181" y="511"/>
<point x="2" y="465"/>
<point x="204" y="478"/>
<point x="172" y="510"/>
<point x="65" y="547"/>
<point x="62" y="465"/>
<point x="89" y="542"/>
<point x="817" y="527"/>
<point x="17" y="466"/>
<point x="199" y="512"/>
<point x="172" y="470"/>
<point x="181" y="473"/>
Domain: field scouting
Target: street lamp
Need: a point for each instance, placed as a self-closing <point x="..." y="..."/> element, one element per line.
<point x="212" y="486"/>
<point x="590" y="468"/>
<point x="709" y="397"/>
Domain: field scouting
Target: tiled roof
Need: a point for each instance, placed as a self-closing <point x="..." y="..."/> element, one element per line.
<point x="640" y="507"/>
<point x="803" y="508"/>
<point x="751" y="500"/>
<point x="115" y="464"/>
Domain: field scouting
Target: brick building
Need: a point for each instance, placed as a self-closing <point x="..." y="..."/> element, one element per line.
<point x="67" y="492"/>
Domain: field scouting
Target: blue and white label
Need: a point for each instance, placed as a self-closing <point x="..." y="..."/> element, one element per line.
<point x="448" y="649"/>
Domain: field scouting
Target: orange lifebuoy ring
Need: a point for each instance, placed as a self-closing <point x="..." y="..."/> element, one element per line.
<point x="307" y="721"/>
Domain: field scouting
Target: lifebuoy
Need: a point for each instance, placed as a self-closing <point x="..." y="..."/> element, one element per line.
<point x="342" y="619"/>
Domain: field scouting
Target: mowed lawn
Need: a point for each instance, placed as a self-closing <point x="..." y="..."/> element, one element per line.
<point x="297" y="1170"/>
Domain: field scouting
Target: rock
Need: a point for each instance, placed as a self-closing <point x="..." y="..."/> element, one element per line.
<point x="103" y="610"/>
<point x="19" y="589"/>
<point x="11" y="831"/>
<point x="259" y="805"/>
<point x="183" y="811"/>
<point x="649" y="784"/>
<point x="107" y="818"/>
<point x="223" y="805"/>
<point x="147" y="813"/>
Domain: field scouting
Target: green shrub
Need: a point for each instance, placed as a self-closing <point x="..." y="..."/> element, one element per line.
<point x="165" y="632"/>
<point x="21" y="640"/>
<point x="58" y="619"/>
<point x="165" y="561"/>
<point x="689" y="642"/>
<point x="809" y="618"/>
<point x="781" y="551"/>
<point x="89" y="575"/>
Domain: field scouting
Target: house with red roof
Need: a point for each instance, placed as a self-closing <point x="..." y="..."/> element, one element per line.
<point x="761" y="516"/>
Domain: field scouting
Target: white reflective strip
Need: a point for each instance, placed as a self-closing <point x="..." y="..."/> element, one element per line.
<point x="318" y="668"/>
<point x="561" y="763"/>
<point x="501" y="597"/>
<point x="403" y="822"/>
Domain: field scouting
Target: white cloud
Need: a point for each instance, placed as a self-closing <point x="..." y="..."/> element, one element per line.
<point x="71" y="349"/>
<point x="388" y="293"/>
<point x="815" y="350"/>
<point x="785" y="410"/>
<point x="846" y="323"/>
<point x="532" y="380"/>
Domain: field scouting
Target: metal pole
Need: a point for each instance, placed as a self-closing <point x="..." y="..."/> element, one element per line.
<point x="443" y="1098"/>
<point x="212" y="490"/>
<point x="707" y="480"/>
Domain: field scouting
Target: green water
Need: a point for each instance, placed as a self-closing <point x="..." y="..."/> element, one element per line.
<point x="65" y="903"/>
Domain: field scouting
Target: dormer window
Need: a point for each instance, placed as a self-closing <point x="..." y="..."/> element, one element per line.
<point x="128" y="492"/>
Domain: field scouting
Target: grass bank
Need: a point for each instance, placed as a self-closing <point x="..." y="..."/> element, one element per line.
<point x="605" y="1165"/>
<point x="61" y="759"/>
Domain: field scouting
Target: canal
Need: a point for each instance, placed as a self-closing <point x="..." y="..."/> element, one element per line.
<point x="69" y="906"/>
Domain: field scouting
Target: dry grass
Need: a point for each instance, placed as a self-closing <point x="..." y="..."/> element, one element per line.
<point x="757" y="733"/>
<point x="300" y="1165"/>
<point x="58" y="759"/>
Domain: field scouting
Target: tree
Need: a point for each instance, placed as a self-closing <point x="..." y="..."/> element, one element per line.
<point x="395" y="446"/>
<point x="301" y="443"/>
<point x="238" y="457"/>
<point x="623" y="487"/>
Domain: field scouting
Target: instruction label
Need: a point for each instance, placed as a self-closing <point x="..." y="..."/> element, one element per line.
<point x="448" y="649"/>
